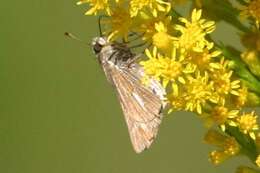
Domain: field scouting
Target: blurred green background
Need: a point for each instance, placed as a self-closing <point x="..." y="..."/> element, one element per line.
<point x="60" y="115"/>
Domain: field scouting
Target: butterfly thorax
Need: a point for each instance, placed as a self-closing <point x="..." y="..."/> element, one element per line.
<point x="114" y="53"/>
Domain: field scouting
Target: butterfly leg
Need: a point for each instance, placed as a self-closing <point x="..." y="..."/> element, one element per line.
<point x="132" y="34"/>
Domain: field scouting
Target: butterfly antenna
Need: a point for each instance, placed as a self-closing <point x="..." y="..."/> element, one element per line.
<point x="99" y="26"/>
<point x="70" y="35"/>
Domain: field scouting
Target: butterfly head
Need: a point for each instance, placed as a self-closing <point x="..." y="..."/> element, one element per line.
<point x="98" y="43"/>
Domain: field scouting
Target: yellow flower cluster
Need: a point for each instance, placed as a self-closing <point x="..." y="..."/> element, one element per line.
<point x="228" y="146"/>
<point x="251" y="10"/>
<point x="134" y="15"/>
<point x="180" y="55"/>
<point x="251" y="39"/>
<point x="197" y="77"/>
<point x="96" y="5"/>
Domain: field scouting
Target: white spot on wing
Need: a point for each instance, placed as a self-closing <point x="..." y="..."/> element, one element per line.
<point x="138" y="99"/>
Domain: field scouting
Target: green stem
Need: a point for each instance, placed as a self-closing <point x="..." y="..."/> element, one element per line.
<point x="240" y="68"/>
<point x="248" y="146"/>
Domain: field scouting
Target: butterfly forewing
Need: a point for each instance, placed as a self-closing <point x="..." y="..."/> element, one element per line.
<point x="141" y="107"/>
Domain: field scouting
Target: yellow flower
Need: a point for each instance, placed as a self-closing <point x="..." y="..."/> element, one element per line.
<point x="214" y="137"/>
<point x="147" y="21"/>
<point x="164" y="68"/>
<point x="154" y="5"/>
<point x="250" y="57"/>
<point x="258" y="161"/>
<point x="194" y="32"/>
<point x="247" y="123"/>
<point x="222" y="116"/>
<point x="251" y="40"/>
<point x="257" y="140"/>
<point x="224" y="85"/>
<point x="217" y="157"/>
<point x="176" y="102"/>
<point x="241" y="99"/>
<point x="197" y="91"/>
<point x="252" y="10"/>
<point x="96" y="5"/>
<point x="152" y="66"/>
<point x="161" y="38"/>
<point x="219" y="67"/>
<point x="222" y="80"/>
<point x="120" y="23"/>
<point x="231" y="146"/>
<point x="203" y="59"/>
<point x="227" y="144"/>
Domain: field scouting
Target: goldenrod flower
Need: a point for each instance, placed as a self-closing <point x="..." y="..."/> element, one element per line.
<point x="258" y="161"/>
<point x="224" y="85"/>
<point x="168" y="69"/>
<point x="231" y="146"/>
<point x="241" y="99"/>
<point x="227" y="144"/>
<point x="154" y="5"/>
<point x="96" y="5"/>
<point x="252" y="10"/>
<point x="214" y="137"/>
<point x="247" y="123"/>
<point x="222" y="80"/>
<point x="219" y="66"/>
<point x="217" y="157"/>
<point x="194" y="32"/>
<point x="161" y="38"/>
<point x="251" y="40"/>
<point x="222" y="116"/>
<point x="250" y="57"/>
<point x="172" y="70"/>
<point x="120" y="23"/>
<point x="153" y="64"/>
<point x="152" y="27"/>
<point x="257" y="140"/>
<point x="197" y="91"/>
<point x="203" y="59"/>
<point x="176" y="102"/>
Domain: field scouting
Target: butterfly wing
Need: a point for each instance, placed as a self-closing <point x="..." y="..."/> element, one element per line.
<point x="140" y="105"/>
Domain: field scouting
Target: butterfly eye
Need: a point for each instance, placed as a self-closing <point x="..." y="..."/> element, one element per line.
<point x="97" y="48"/>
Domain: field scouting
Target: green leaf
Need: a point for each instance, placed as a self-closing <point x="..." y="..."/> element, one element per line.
<point x="223" y="10"/>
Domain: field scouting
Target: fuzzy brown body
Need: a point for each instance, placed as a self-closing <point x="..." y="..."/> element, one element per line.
<point x="141" y="105"/>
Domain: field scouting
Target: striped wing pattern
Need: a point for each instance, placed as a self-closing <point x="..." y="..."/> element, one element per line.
<point x="141" y="107"/>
